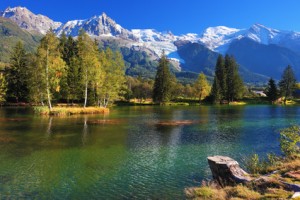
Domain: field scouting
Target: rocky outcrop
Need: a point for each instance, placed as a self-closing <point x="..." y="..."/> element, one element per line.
<point x="227" y="171"/>
<point x="30" y="21"/>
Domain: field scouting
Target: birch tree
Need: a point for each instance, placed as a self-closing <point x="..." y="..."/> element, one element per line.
<point x="49" y="57"/>
<point x="88" y="56"/>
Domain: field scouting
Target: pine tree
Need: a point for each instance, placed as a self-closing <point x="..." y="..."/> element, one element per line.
<point x="161" y="91"/>
<point x="17" y="74"/>
<point x="216" y="94"/>
<point x="71" y="90"/>
<point x="202" y="87"/>
<point x="74" y="78"/>
<point x="3" y="88"/>
<point x="49" y="57"/>
<point x="234" y="83"/>
<point x="221" y="74"/>
<point x="272" y="91"/>
<point x="287" y="82"/>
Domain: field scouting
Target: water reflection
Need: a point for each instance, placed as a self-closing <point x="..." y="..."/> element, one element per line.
<point x="49" y="128"/>
<point x="85" y="130"/>
<point x="136" y="152"/>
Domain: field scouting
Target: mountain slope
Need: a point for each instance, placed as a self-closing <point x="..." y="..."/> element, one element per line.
<point x="29" y="21"/>
<point x="10" y="34"/>
<point x="269" y="60"/>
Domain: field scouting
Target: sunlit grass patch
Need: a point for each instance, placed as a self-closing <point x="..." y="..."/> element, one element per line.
<point x="70" y="110"/>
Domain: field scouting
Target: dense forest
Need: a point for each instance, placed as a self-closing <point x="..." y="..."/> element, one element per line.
<point x="65" y="70"/>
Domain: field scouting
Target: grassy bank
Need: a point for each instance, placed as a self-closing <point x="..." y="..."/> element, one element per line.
<point x="274" y="177"/>
<point x="285" y="170"/>
<point x="43" y="110"/>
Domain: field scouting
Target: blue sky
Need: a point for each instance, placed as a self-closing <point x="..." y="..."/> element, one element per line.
<point x="178" y="16"/>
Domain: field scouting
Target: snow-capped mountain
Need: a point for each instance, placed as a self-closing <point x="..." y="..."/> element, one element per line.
<point x="213" y="40"/>
<point x="29" y="21"/>
<point x="219" y="38"/>
<point x="96" y="26"/>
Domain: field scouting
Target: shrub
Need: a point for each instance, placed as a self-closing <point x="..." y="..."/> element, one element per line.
<point x="253" y="164"/>
<point x="289" y="138"/>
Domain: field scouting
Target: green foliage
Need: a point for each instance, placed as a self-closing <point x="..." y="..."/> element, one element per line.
<point x="289" y="139"/>
<point x="202" y="87"/>
<point x="163" y="81"/>
<point x="138" y="63"/>
<point x="49" y="57"/>
<point x="272" y="91"/>
<point x="138" y="88"/>
<point x="3" y="88"/>
<point x="221" y="76"/>
<point x="287" y="82"/>
<point x="71" y="89"/>
<point x="90" y="65"/>
<point x="36" y="80"/>
<point x="17" y="74"/>
<point x="227" y="84"/>
<point x="234" y="83"/>
<point x="114" y="77"/>
<point x="253" y="164"/>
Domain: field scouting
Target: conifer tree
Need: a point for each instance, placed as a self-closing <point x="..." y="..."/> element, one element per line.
<point x="216" y="95"/>
<point x="272" y="91"/>
<point x="227" y="84"/>
<point x="221" y="74"/>
<point x="202" y="87"/>
<point x="49" y="57"/>
<point x="16" y="75"/>
<point x="71" y="88"/>
<point x="234" y="83"/>
<point x="287" y="83"/>
<point x="161" y="90"/>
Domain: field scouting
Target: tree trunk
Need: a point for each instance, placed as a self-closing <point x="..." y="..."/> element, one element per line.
<point x="86" y="88"/>
<point x="106" y="103"/>
<point x="47" y="82"/>
<point x="284" y="101"/>
<point x="85" y="94"/>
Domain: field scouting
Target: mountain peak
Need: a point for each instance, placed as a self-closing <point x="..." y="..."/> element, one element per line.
<point x="263" y="34"/>
<point x="28" y="20"/>
<point x="219" y="36"/>
<point x="104" y="14"/>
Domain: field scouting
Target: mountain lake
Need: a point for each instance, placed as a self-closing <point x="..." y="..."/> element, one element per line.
<point x="138" y="152"/>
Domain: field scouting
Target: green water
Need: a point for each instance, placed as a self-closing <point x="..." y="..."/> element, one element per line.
<point x="127" y="154"/>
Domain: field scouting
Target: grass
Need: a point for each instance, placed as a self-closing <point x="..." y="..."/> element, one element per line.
<point x="43" y="110"/>
<point x="255" y="190"/>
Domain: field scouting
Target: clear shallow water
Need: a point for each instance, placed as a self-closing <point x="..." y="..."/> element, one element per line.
<point x="127" y="154"/>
